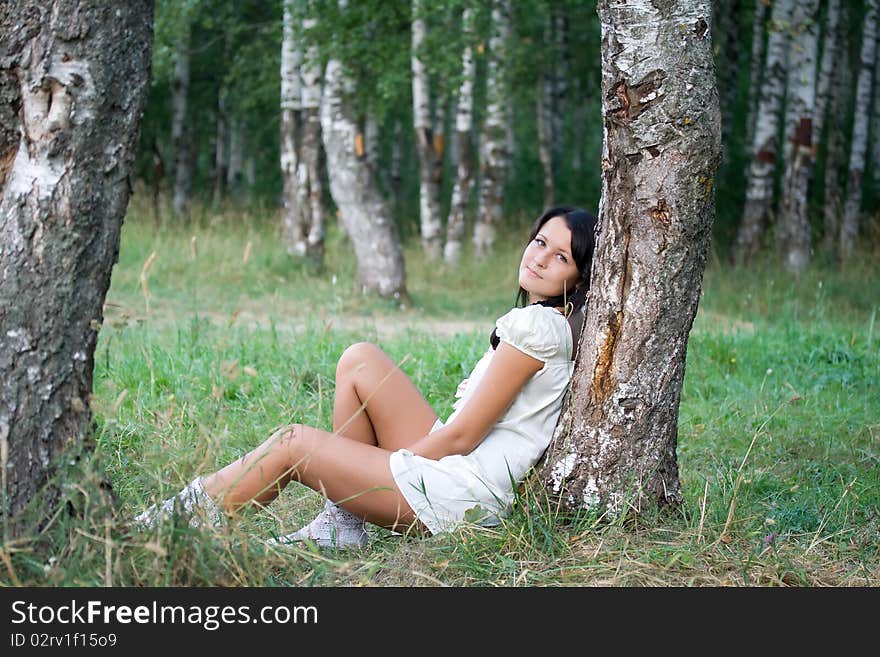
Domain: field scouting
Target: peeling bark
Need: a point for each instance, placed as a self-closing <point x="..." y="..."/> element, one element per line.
<point x="82" y="71"/>
<point x="614" y="446"/>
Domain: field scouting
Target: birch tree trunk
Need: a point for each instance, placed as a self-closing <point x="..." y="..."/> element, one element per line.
<point x="430" y="166"/>
<point x="614" y="446"/>
<point x="221" y="151"/>
<point x="545" y="140"/>
<point x="831" y="47"/>
<point x="83" y="74"/>
<point x="762" y="164"/>
<point x="294" y="230"/>
<point x="180" y="137"/>
<point x="793" y="226"/>
<point x="235" y="171"/>
<point x="842" y="79"/>
<point x="494" y="137"/>
<point x="758" y="28"/>
<point x="364" y="213"/>
<point x="310" y="184"/>
<point x="464" y="123"/>
<point x="849" y="228"/>
<point x="545" y="122"/>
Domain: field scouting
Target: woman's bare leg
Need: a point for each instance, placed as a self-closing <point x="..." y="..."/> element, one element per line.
<point x="354" y="475"/>
<point x="375" y="402"/>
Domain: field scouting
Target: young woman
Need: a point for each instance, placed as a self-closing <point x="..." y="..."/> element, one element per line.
<point x="390" y="460"/>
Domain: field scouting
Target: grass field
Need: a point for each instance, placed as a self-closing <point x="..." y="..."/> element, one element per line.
<point x="213" y="336"/>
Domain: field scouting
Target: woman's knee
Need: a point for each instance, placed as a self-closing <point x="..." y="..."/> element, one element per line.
<point x="356" y="356"/>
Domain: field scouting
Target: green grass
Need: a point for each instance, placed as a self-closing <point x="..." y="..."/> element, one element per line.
<point x="779" y="427"/>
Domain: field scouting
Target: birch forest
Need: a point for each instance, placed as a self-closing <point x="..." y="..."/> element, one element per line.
<point x="449" y="121"/>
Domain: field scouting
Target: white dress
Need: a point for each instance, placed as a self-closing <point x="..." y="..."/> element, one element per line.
<point x="481" y="483"/>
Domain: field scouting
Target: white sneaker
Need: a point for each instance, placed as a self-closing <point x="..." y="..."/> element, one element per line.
<point x="192" y="501"/>
<point x="334" y="527"/>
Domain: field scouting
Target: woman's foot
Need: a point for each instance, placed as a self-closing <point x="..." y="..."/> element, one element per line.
<point x="192" y="501"/>
<point x="334" y="527"/>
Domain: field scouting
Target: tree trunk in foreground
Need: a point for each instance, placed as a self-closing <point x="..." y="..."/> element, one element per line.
<point x="83" y="71"/>
<point x="614" y="446"/>
<point x="365" y="215"/>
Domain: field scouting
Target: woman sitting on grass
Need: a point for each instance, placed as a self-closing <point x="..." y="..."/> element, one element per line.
<point x="390" y="460"/>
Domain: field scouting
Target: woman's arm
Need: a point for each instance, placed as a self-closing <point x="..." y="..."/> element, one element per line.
<point x="507" y="373"/>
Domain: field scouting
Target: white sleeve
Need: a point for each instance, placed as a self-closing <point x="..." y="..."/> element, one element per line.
<point x="530" y="330"/>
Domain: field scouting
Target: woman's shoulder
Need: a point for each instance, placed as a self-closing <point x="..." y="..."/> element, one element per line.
<point x="538" y="330"/>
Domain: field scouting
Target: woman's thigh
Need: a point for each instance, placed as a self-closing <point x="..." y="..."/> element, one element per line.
<point x="354" y="475"/>
<point x="397" y="411"/>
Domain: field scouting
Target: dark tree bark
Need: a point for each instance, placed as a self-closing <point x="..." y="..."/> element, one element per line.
<point x="82" y="70"/>
<point x="614" y="446"/>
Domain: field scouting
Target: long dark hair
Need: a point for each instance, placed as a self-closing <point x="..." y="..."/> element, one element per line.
<point x="582" y="225"/>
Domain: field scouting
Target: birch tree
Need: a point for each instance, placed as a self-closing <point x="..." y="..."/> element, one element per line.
<point x="291" y="127"/>
<point x="832" y="204"/>
<point x="430" y="165"/>
<point x="759" y="20"/>
<point x="493" y="137"/>
<point x="849" y="227"/>
<point x="464" y="120"/>
<point x="763" y="151"/>
<point x="310" y="186"/>
<point x="362" y="209"/>
<point x="180" y="133"/>
<point x="614" y="446"/>
<point x="82" y="72"/>
<point x="831" y="54"/>
<point x="793" y="226"/>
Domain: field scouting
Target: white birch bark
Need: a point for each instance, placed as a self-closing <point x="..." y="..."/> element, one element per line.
<point x="831" y="46"/>
<point x="429" y="183"/>
<point x="793" y="225"/>
<point x="495" y="134"/>
<point x="544" y="144"/>
<point x="849" y="227"/>
<point x="464" y="170"/>
<point x="294" y="230"/>
<point x="759" y="21"/>
<point x="82" y="71"/>
<point x="762" y="164"/>
<point x="842" y="79"/>
<point x="362" y="210"/>
<point x="180" y="137"/>
<point x="221" y="149"/>
<point x="310" y="184"/>
<point x="614" y="447"/>
<point x="235" y="171"/>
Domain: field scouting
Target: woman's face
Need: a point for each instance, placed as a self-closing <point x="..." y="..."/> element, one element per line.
<point x="547" y="267"/>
